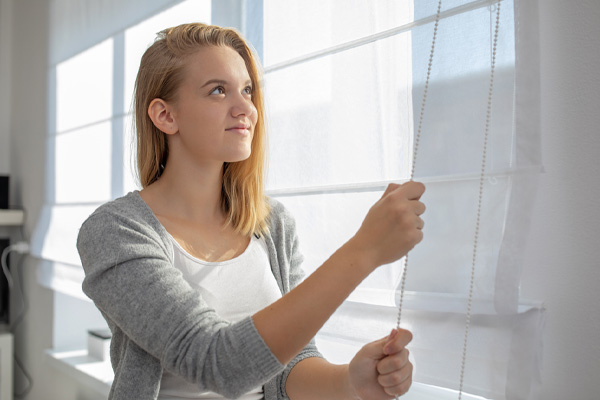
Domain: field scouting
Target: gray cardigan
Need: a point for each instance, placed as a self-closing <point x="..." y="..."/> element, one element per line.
<point x="159" y="322"/>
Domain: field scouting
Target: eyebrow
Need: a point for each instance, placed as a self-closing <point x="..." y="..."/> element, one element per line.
<point x="222" y="82"/>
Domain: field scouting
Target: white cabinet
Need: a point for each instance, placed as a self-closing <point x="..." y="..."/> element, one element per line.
<point x="8" y="218"/>
<point x="6" y="366"/>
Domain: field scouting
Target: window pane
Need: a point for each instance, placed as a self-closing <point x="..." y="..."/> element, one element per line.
<point x="453" y="127"/>
<point x="84" y="87"/>
<point x="344" y="118"/>
<point x="130" y="180"/>
<point x="441" y="263"/>
<point x="139" y="37"/>
<point x="325" y="222"/>
<point x="83" y="167"/>
<point x="318" y="24"/>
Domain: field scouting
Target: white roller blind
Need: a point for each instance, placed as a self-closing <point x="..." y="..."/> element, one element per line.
<point x="344" y="88"/>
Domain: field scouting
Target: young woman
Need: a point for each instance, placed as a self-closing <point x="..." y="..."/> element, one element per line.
<point x="198" y="274"/>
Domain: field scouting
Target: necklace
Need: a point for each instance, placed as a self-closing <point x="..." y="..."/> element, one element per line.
<point x="481" y="183"/>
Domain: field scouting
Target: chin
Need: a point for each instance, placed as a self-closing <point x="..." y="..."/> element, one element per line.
<point x="239" y="157"/>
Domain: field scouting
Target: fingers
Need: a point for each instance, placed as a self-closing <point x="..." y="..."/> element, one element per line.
<point x="393" y="363"/>
<point x="419" y="207"/>
<point x="393" y="225"/>
<point x="404" y="206"/>
<point x="382" y="369"/>
<point x="398" y="382"/>
<point x="420" y="224"/>
<point x="411" y="190"/>
<point x="395" y="370"/>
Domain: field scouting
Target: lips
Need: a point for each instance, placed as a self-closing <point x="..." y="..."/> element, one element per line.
<point x="241" y="129"/>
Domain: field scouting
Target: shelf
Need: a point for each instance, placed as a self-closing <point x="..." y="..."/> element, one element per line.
<point x="87" y="370"/>
<point x="11" y="217"/>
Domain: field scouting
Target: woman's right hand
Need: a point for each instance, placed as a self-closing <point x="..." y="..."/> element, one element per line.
<point x="393" y="225"/>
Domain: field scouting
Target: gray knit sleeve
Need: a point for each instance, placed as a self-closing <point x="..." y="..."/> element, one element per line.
<point x="287" y="268"/>
<point x="130" y="277"/>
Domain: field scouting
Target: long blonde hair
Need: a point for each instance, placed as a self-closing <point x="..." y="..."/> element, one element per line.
<point x="159" y="76"/>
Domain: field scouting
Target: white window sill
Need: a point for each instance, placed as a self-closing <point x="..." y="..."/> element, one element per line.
<point x="99" y="375"/>
<point x="87" y="370"/>
<point x="420" y="391"/>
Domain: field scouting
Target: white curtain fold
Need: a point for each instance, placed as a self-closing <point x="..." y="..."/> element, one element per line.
<point x="527" y="155"/>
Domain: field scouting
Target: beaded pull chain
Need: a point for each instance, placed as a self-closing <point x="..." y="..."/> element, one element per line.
<point x="415" y="149"/>
<point x="488" y="116"/>
<point x="481" y="183"/>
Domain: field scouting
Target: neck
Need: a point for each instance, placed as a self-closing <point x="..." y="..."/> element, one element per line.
<point x="189" y="191"/>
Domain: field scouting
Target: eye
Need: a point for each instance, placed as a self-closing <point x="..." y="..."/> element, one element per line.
<point x="218" y="90"/>
<point x="248" y="90"/>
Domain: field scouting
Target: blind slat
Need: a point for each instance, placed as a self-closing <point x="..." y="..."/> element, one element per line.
<point x="379" y="186"/>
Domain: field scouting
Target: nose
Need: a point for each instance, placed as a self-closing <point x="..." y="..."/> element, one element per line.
<point x="243" y="106"/>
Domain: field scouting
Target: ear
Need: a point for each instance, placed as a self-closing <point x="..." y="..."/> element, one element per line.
<point x="161" y="114"/>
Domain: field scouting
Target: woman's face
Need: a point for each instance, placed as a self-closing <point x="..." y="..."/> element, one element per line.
<point x="213" y="109"/>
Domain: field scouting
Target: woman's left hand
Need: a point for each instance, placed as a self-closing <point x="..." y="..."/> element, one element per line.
<point x="381" y="369"/>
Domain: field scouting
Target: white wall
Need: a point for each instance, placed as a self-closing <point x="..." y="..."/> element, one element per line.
<point x="5" y="50"/>
<point x="561" y="266"/>
<point x="563" y="262"/>
<point x="28" y="115"/>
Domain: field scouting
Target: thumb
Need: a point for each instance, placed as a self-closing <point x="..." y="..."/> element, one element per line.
<point x="375" y="350"/>
<point x="391" y="187"/>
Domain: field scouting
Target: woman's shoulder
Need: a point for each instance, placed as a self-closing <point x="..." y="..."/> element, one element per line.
<point x="129" y="212"/>
<point x="282" y="225"/>
<point x="129" y="204"/>
<point x="279" y="215"/>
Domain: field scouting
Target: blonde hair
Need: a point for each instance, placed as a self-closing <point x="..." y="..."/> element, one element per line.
<point x="159" y="76"/>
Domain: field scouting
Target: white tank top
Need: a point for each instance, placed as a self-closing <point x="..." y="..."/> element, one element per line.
<point x="235" y="289"/>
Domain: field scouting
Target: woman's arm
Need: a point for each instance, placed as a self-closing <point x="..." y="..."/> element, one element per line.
<point x="379" y="370"/>
<point x="391" y="228"/>
<point x="317" y="379"/>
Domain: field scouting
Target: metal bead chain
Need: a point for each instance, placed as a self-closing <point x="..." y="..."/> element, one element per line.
<point x="416" y="148"/>
<point x="479" y="201"/>
<point x="425" y="89"/>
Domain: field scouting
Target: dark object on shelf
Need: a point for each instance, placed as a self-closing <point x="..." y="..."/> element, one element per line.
<point x="4" y="192"/>
<point x="4" y="294"/>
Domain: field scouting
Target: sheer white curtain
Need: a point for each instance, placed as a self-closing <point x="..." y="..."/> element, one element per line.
<point x="344" y="86"/>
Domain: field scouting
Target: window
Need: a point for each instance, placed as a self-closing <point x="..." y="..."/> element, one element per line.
<point x="89" y="138"/>
<point x="344" y="83"/>
<point x="95" y="49"/>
